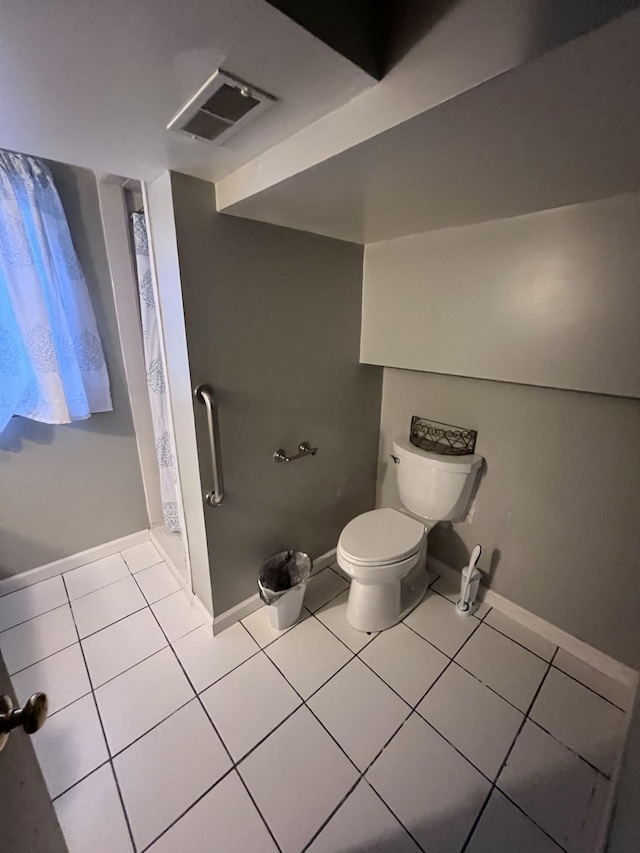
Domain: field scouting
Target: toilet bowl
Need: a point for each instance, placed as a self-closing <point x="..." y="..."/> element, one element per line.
<point x="384" y="551"/>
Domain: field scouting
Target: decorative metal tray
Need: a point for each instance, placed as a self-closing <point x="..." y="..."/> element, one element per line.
<point x="445" y="439"/>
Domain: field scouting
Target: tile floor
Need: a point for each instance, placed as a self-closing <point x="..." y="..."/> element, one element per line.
<point x="443" y="734"/>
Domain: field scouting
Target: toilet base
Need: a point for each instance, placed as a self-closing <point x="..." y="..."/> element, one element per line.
<point x="375" y="607"/>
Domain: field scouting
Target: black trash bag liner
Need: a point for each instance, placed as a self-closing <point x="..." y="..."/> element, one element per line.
<point x="282" y="572"/>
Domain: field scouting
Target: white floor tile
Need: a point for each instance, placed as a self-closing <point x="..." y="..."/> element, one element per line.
<point x="62" y="676"/>
<point x="308" y="655"/>
<point x="91" y="815"/>
<point x="334" y="616"/>
<point x="297" y="777"/>
<point x="363" y="823"/>
<point x="141" y="556"/>
<point x="132" y="703"/>
<point x="259" y="626"/>
<point x="506" y="667"/>
<point x="360" y="711"/>
<point x="581" y="720"/>
<point x="157" y="582"/>
<point x="95" y="575"/>
<point x="38" y="638"/>
<point x="16" y="607"/>
<point x="450" y="588"/>
<point x="473" y="718"/>
<point x="70" y="745"/>
<point x="225" y="818"/>
<point x="177" y="615"/>
<point x="534" y="642"/>
<point x="436" y="620"/>
<point x="322" y="587"/>
<point x="405" y="661"/>
<point x="105" y="606"/>
<point x="164" y="772"/>
<point x="550" y="783"/>
<point x="248" y="703"/>
<point x="207" y="658"/>
<point x="122" y="645"/>
<point x="503" y="827"/>
<point x="432" y="789"/>
<point x="615" y="691"/>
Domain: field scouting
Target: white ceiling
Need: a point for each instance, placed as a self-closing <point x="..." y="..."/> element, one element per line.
<point x="562" y="129"/>
<point x="94" y="82"/>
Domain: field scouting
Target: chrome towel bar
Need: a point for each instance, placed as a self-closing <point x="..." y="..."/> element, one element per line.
<point x="204" y="394"/>
<point x="304" y="450"/>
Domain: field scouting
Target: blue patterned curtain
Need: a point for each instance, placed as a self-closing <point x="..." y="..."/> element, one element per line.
<point x="52" y="366"/>
<point x="155" y="376"/>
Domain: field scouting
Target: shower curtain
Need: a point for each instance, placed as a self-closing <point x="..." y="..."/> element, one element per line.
<point x="52" y="366"/>
<point x="155" y="376"/>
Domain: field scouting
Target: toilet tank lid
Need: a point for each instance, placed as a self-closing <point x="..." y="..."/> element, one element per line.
<point x="402" y="447"/>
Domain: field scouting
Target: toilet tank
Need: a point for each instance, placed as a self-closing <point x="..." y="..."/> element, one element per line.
<point x="433" y="486"/>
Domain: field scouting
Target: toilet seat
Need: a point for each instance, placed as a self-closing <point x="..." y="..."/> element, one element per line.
<point x="381" y="537"/>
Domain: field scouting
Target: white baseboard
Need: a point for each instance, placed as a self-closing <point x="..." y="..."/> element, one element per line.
<point x="578" y="648"/>
<point x="235" y="614"/>
<point x="323" y="561"/>
<point x="74" y="561"/>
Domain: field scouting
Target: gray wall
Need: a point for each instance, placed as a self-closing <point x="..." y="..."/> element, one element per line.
<point x="68" y="488"/>
<point x="557" y="509"/>
<point x="548" y="299"/>
<point x="273" y="322"/>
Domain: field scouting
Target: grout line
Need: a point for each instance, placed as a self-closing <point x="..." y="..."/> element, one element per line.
<point x="40" y="660"/>
<point x="251" y="797"/>
<point x="333" y="813"/>
<point x="522" y="811"/>
<point x="66" y="603"/>
<point x="102" y="764"/>
<point x="591" y="689"/>
<point x="198" y="799"/>
<point x="506" y="759"/>
<point x="115" y="621"/>
<point x="220" y="738"/>
<point x="526" y="648"/>
<point x="104" y="734"/>
<point x="489" y="687"/>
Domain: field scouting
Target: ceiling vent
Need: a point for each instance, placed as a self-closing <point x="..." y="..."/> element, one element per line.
<point x="220" y="108"/>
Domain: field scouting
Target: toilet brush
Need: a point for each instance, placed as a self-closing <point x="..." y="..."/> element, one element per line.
<point x="470" y="582"/>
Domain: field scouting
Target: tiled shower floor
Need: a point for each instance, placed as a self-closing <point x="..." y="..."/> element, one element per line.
<point x="442" y="734"/>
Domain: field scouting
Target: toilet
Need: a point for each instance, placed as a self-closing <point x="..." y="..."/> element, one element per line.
<point x="384" y="551"/>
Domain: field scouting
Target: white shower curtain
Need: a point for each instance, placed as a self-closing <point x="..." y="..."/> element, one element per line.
<point x="155" y="377"/>
<point x="52" y="366"/>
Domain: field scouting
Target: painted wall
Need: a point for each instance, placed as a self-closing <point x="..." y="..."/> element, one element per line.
<point x="273" y="323"/>
<point x="548" y="299"/>
<point x="67" y="488"/>
<point x="557" y="508"/>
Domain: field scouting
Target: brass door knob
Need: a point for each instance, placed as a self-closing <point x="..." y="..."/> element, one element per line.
<point x="31" y="717"/>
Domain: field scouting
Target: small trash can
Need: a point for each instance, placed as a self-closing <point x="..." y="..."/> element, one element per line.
<point x="282" y="581"/>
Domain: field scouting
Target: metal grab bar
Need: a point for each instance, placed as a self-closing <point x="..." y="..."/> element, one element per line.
<point x="304" y="448"/>
<point x="204" y="393"/>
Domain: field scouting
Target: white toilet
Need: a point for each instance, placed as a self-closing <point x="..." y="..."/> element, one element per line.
<point x="384" y="551"/>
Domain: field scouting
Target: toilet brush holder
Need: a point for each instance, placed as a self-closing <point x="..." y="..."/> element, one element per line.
<point x="471" y="577"/>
